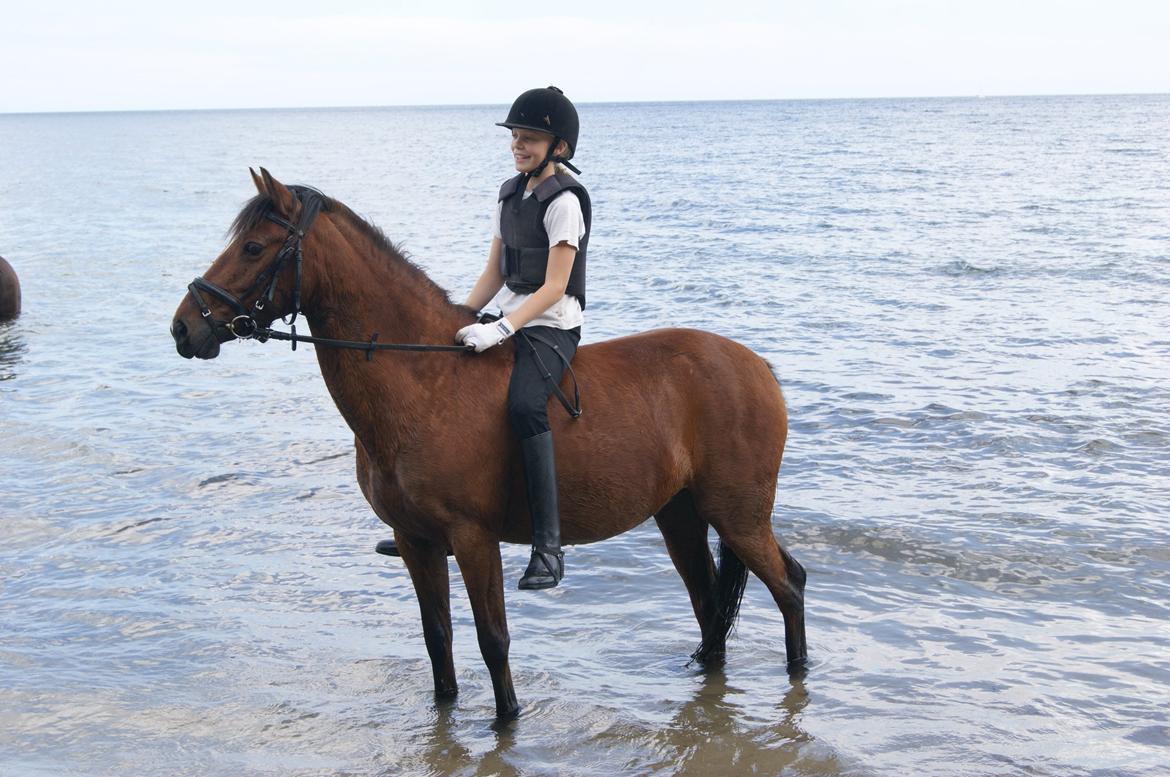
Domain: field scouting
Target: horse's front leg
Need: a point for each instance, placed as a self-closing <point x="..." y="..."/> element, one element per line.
<point x="478" y="552"/>
<point x="427" y="562"/>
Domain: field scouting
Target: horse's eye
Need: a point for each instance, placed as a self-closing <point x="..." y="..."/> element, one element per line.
<point x="253" y="249"/>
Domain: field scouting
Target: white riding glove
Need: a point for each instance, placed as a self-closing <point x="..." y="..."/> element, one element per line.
<point x="484" y="336"/>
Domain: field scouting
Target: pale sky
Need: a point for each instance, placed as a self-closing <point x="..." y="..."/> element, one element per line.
<point x="129" y="55"/>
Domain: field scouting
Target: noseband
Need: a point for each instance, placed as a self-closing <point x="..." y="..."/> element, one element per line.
<point x="243" y="325"/>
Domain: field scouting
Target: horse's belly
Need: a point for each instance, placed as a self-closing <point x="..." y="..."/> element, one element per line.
<point x="604" y="489"/>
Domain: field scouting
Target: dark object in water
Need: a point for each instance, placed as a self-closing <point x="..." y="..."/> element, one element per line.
<point x="9" y="291"/>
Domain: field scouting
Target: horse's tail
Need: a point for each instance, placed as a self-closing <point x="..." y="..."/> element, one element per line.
<point x="730" y="580"/>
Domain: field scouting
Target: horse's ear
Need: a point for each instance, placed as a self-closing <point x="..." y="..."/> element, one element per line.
<point x="286" y="202"/>
<point x="256" y="179"/>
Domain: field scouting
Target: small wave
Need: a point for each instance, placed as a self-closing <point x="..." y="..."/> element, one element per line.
<point x="1098" y="446"/>
<point x="226" y="477"/>
<point x="867" y="396"/>
<point x="136" y="524"/>
<point x="944" y="413"/>
<point x="964" y="267"/>
<point x="330" y="457"/>
<point x="1131" y="151"/>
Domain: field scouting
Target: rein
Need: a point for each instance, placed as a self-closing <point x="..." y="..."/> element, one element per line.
<point x="262" y="334"/>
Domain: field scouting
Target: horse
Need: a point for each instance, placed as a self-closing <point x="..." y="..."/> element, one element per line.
<point x="9" y="291"/>
<point x="679" y="424"/>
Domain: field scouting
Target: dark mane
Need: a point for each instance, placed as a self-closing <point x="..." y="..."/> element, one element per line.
<point x="256" y="209"/>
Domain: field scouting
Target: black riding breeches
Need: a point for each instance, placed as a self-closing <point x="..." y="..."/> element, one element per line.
<point x="535" y="375"/>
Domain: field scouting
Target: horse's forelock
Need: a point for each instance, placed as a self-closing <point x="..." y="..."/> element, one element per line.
<point x="255" y="209"/>
<point x="250" y="215"/>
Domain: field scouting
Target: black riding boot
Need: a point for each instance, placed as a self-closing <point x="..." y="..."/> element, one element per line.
<point x="547" y="565"/>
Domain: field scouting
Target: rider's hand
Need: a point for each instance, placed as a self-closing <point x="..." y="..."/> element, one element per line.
<point x="484" y="336"/>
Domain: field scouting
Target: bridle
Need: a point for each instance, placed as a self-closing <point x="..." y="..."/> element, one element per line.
<point x="245" y="326"/>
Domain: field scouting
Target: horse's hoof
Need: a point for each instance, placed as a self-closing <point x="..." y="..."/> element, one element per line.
<point x="798" y="668"/>
<point x="507" y="716"/>
<point x="714" y="659"/>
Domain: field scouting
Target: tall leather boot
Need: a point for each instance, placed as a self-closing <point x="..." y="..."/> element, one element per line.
<point x="547" y="565"/>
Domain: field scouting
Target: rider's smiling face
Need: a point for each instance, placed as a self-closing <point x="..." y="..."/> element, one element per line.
<point x="529" y="148"/>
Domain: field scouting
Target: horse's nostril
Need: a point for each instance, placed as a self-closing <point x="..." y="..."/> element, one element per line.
<point x="178" y="330"/>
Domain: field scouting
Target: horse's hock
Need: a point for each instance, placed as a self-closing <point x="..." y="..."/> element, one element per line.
<point x="9" y="291"/>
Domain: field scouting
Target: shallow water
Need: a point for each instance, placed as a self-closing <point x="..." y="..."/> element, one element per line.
<point x="965" y="300"/>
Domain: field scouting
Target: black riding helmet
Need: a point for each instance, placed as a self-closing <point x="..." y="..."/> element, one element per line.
<point x="547" y="110"/>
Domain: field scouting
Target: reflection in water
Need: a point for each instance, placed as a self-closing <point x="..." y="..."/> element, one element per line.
<point x="12" y="349"/>
<point x="712" y="734"/>
<point x="495" y="761"/>
<point x="720" y="729"/>
<point x="446" y="754"/>
<point x="973" y="478"/>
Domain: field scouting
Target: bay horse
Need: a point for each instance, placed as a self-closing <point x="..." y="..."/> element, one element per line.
<point x="682" y="425"/>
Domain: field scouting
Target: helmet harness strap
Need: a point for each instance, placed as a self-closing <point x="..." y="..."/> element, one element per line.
<point x="549" y="156"/>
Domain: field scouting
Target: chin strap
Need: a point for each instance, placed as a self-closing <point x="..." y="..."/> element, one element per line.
<point x="522" y="184"/>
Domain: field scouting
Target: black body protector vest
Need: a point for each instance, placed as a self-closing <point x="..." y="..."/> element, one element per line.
<point x="525" y="256"/>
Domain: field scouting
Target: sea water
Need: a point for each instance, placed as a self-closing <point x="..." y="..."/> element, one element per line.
<point x="965" y="300"/>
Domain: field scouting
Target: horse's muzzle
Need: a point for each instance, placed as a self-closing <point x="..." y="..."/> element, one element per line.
<point x="206" y="348"/>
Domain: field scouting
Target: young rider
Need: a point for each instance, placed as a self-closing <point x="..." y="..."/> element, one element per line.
<point x="536" y="273"/>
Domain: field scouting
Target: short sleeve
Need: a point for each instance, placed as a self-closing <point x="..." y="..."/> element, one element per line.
<point x="564" y="220"/>
<point x="496" y="233"/>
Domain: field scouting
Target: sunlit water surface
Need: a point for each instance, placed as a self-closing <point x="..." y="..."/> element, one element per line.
<point x="965" y="300"/>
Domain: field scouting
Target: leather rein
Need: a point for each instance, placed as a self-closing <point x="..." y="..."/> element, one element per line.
<point x="245" y="326"/>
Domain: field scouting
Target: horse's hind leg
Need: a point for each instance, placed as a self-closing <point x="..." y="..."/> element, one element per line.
<point x="685" y="534"/>
<point x="751" y="539"/>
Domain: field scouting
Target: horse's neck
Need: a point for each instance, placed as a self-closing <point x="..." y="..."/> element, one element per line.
<point x="358" y="289"/>
<point x="377" y="305"/>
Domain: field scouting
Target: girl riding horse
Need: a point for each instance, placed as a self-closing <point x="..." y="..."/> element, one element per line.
<point x="535" y="271"/>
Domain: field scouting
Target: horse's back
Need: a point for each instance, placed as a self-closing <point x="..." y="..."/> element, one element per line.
<point x="702" y="367"/>
<point x="687" y="404"/>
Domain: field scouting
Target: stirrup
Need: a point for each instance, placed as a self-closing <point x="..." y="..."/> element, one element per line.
<point x="546" y="567"/>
